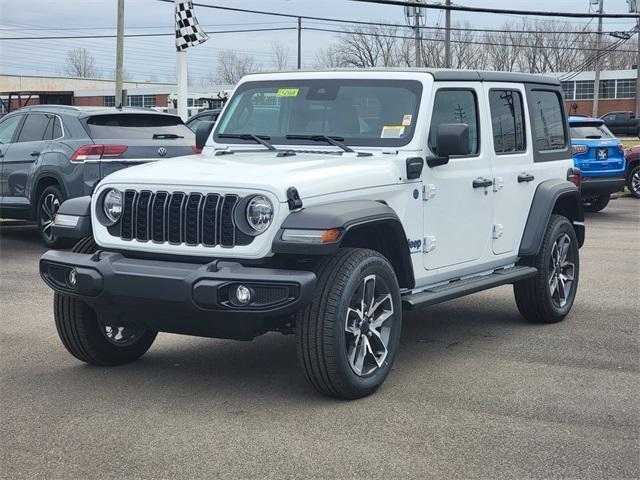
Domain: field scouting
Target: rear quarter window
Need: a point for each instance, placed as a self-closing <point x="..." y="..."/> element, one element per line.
<point x="548" y="124"/>
<point x="136" y="126"/>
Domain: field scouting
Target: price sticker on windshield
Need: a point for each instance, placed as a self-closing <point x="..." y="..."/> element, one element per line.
<point x="392" y="131"/>
<point x="288" y="92"/>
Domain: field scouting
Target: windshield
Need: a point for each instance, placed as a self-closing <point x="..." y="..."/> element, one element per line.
<point x="590" y="131"/>
<point x="356" y="112"/>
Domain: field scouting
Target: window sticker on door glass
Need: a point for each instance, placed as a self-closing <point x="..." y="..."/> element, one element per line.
<point x="392" y="131"/>
<point x="288" y="92"/>
<point x="406" y="120"/>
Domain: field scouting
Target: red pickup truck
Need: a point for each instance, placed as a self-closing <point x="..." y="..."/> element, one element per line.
<point x="632" y="156"/>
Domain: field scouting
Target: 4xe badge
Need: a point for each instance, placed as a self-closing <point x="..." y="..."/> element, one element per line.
<point x="602" y="154"/>
<point x="162" y="152"/>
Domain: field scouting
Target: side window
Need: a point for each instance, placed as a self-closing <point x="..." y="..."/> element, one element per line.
<point x="54" y="130"/>
<point x="34" y="128"/>
<point x="456" y="106"/>
<point x="507" y="121"/>
<point x="8" y="127"/>
<point x="548" y="124"/>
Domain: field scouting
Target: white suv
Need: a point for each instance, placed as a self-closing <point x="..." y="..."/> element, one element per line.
<point x="324" y="204"/>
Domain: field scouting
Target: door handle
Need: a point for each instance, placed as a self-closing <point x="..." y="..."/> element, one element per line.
<point x="482" y="182"/>
<point x="525" y="177"/>
<point x="34" y="154"/>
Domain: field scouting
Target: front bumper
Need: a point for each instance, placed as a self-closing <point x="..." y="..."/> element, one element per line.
<point x="595" y="186"/>
<point x="177" y="297"/>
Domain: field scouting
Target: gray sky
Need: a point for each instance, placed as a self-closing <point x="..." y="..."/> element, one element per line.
<point x="154" y="58"/>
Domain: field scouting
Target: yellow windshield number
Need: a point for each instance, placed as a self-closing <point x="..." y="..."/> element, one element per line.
<point x="288" y="92"/>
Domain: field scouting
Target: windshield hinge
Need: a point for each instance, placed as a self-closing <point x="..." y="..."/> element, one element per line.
<point x="293" y="198"/>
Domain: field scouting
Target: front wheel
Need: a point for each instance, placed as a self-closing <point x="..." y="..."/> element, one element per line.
<point x="348" y="337"/>
<point x="633" y="181"/>
<point x="549" y="295"/>
<point x="597" y="203"/>
<point x="91" y="341"/>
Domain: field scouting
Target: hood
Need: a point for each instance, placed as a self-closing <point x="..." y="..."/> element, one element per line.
<point x="312" y="174"/>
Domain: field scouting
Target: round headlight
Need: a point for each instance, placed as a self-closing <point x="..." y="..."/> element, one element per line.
<point x="112" y="205"/>
<point x="259" y="213"/>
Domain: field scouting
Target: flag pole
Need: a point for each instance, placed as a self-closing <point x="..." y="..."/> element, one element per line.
<point x="182" y="78"/>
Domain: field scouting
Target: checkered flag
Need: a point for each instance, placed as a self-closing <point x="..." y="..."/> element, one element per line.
<point x="188" y="32"/>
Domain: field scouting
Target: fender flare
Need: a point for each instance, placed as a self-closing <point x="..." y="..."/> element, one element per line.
<point x="347" y="216"/>
<point x="79" y="207"/>
<point x="554" y="195"/>
<point x="46" y="174"/>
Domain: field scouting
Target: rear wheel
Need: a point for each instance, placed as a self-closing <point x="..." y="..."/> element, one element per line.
<point x="596" y="204"/>
<point x="48" y="204"/>
<point x="348" y="337"/>
<point x="548" y="296"/>
<point x="633" y="181"/>
<point x="91" y="341"/>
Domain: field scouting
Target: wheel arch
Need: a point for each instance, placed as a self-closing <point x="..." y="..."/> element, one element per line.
<point x="553" y="196"/>
<point x="362" y="223"/>
<point x="44" y="180"/>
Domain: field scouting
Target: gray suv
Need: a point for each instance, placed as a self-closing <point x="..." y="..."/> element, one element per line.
<point x="49" y="153"/>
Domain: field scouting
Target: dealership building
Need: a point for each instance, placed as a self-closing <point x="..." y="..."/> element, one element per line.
<point x="18" y="91"/>
<point x="617" y="91"/>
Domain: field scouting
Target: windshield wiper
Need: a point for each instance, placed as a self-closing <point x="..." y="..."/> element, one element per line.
<point x="166" y="135"/>
<point x="261" y="139"/>
<point x="337" y="141"/>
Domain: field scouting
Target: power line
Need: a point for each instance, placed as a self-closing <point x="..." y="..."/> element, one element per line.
<point x="363" y="22"/>
<point x="463" y="8"/>
<point x="137" y="35"/>
<point x="372" y="34"/>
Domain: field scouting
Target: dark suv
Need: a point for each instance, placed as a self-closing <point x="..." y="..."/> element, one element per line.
<point x="49" y="153"/>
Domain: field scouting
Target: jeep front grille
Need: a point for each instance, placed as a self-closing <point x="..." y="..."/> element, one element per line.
<point x="179" y="217"/>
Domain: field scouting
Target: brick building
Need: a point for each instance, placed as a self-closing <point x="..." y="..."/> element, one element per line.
<point x="617" y="92"/>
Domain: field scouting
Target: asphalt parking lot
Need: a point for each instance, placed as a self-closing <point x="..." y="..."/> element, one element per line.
<point x="476" y="391"/>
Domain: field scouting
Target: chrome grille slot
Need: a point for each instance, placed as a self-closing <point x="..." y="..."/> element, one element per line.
<point x="181" y="218"/>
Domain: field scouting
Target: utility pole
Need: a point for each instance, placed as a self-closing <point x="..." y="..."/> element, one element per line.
<point x="120" y="55"/>
<point x="447" y="36"/>
<point x="634" y="7"/>
<point x="413" y="16"/>
<point x="596" y="82"/>
<point x="299" y="43"/>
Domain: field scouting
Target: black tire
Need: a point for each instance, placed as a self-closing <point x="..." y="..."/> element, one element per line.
<point x="48" y="203"/>
<point x="85" y="338"/>
<point x="323" y="342"/>
<point x="633" y="181"/>
<point x="533" y="296"/>
<point x="597" y="203"/>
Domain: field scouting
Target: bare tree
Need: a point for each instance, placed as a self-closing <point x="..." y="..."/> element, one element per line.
<point x="232" y="66"/>
<point x="280" y="52"/>
<point x="80" y="63"/>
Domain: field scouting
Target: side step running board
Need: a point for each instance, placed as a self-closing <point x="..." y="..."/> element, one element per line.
<point x="460" y="288"/>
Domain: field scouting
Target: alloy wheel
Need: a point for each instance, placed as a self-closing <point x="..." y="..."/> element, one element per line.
<point x="561" y="270"/>
<point x="635" y="182"/>
<point x="48" y="209"/>
<point x="122" y="336"/>
<point x="368" y="326"/>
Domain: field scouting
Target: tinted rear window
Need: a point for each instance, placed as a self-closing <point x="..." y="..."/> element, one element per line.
<point x="590" y="131"/>
<point x="138" y="126"/>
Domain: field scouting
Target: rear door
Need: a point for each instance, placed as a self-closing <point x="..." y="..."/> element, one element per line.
<point x="135" y="138"/>
<point x="20" y="159"/>
<point x="514" y="179"/>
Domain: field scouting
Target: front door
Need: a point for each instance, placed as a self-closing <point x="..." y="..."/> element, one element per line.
<point x="8" y="130"/>
<point x="458" y="198"/>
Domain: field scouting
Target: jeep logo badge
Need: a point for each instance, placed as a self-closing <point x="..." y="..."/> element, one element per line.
<point x="602" y="154"/>
<point x="162" y="152"/>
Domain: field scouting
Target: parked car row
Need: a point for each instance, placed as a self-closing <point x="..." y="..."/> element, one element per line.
<point x="622" y="123"/>
<point x="49" y="153"/>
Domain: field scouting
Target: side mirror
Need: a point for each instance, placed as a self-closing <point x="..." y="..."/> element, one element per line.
<point x="451" y="139"/>
<point x="202" y="134"/>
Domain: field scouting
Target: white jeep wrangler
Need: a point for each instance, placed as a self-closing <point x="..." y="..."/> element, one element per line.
<point x="324" y="204"/>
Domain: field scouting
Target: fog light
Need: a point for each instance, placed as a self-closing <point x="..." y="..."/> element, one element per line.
<point x="72" y="278"/>
<point x="243" y="294"/>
